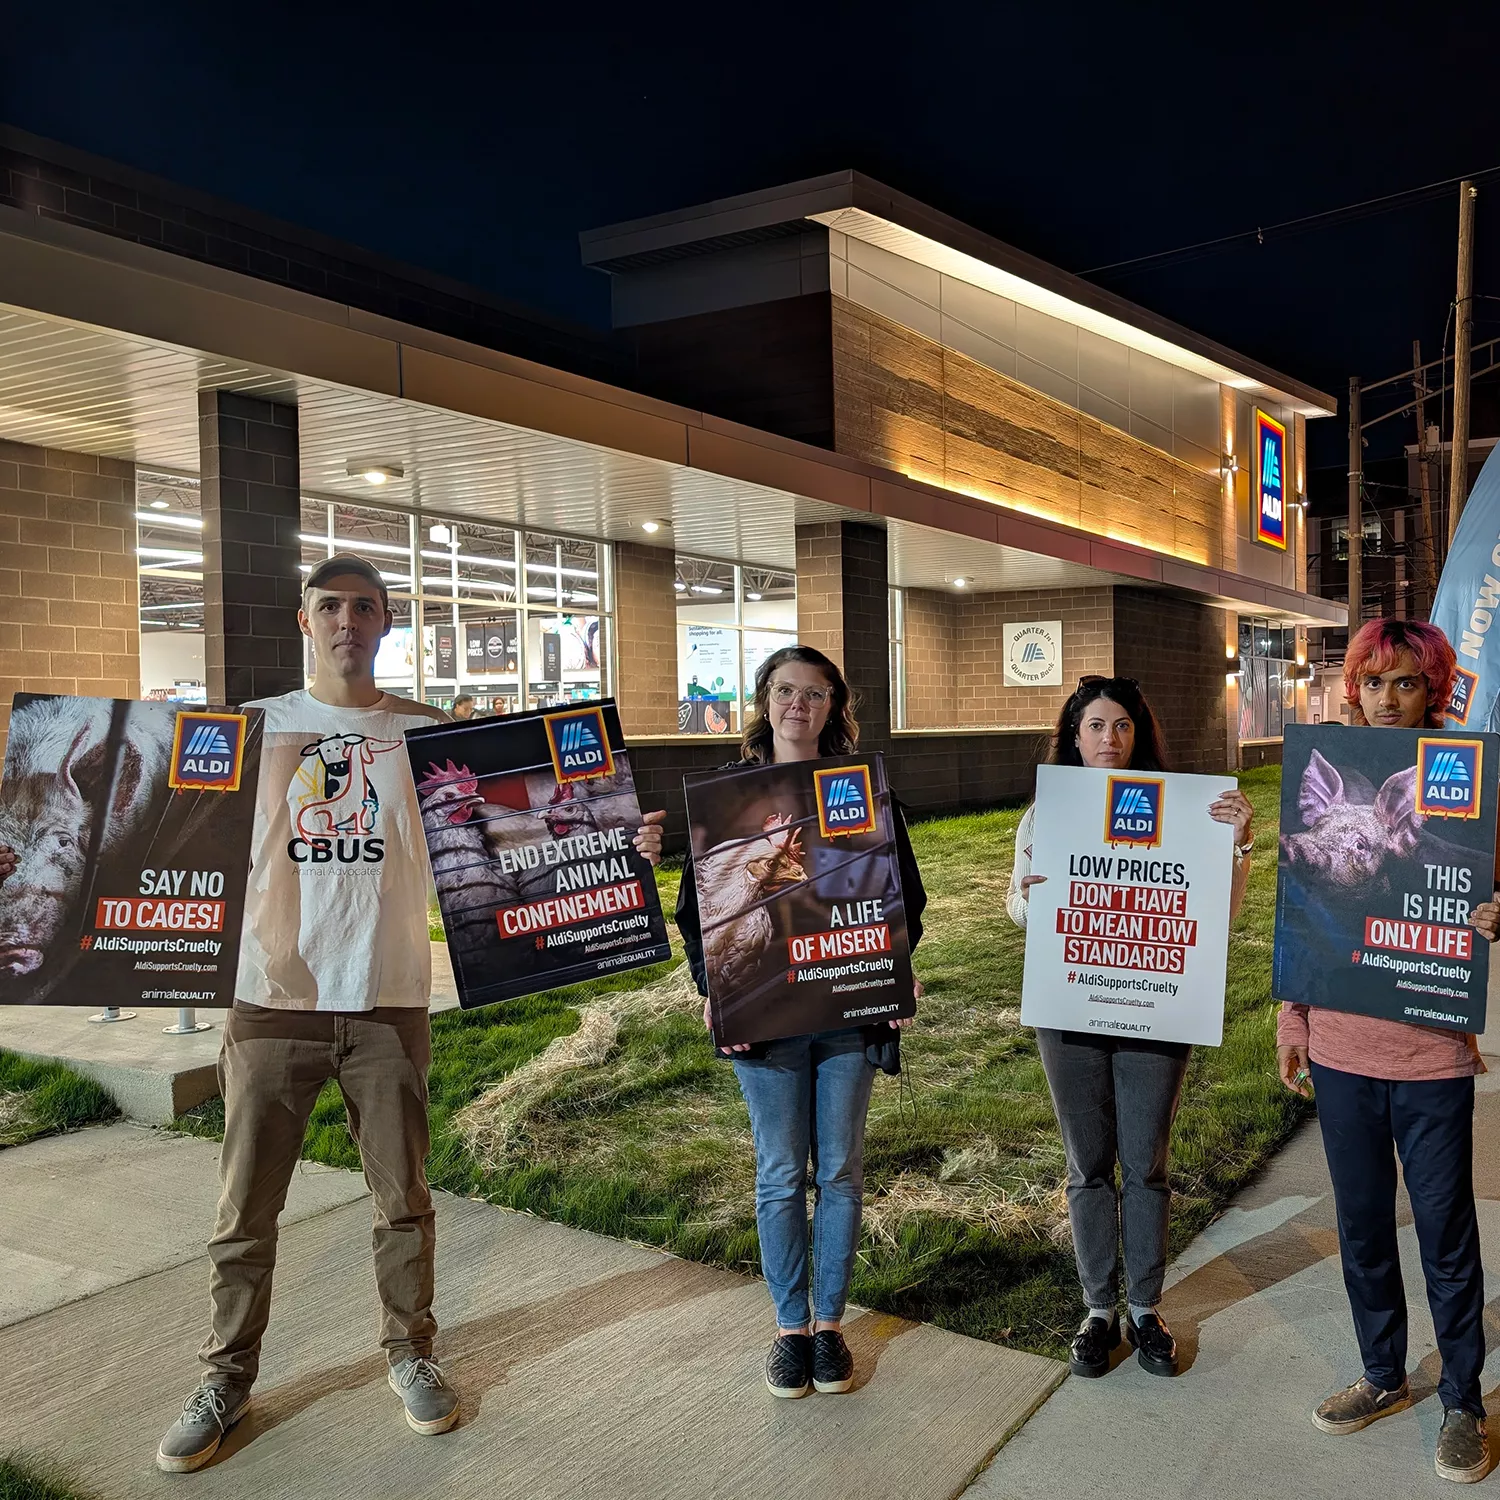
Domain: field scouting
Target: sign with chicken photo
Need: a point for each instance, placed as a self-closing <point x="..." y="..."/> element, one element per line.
<point x="1387" y="845"/>
<point x="804" y="927"/>
<point x="530" y="823"/>
<point x="129" y="826"/>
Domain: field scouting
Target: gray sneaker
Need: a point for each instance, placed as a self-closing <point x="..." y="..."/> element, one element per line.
<point x="431" y="1403"/>
<point x="207" y="1415"/>
<point x="1463" y="1450"/>
<point x="1358" y="1406"/>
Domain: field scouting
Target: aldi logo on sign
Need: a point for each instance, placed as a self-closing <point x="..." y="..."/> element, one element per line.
<point x="580" y="745"/>
<point x="846" y="804"/>
<point x="1270" y="480"/>
<point x="207" y="752"/>
<point x="1448" y="777"/>
<point x="1133" y="811"/>
<point x="1464" y="684"/>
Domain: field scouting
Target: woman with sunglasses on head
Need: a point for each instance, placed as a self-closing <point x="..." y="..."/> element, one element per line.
<point x="807" y="1093"/>
<point x="1389" y="1088"/>
<point x="1115" y="1096"/>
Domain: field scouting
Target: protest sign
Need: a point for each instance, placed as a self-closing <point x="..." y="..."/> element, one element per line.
<point x="530" y="823"/>
<point x="1129" y="933"/>
<point x="799" y="893"/>
<point x="1387" y="845"/>
<point x="131" y="824"/>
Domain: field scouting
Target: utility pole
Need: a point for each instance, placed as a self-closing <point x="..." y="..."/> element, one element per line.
<point x="1458" y="482"/>
<point x="1426" y="552"/>
<point x="1356" y="517"/>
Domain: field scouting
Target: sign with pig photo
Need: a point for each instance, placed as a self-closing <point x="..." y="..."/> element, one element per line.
<point x="1128" y="932"/>
<point x="130" y="826"/>
<point x="1387" y="844"/>
<point x="530" y="822"/>
<point x="799" y="891"/>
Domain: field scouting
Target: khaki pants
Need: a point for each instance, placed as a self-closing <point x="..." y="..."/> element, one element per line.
<point x="272" y="1067"/>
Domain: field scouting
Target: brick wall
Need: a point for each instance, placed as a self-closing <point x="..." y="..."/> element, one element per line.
<point x="930" y="647"/>
<point x="252" y="512"/>
<point x="1087" y="617"/>
<point x="646" y="622"/>
<point x="69" y="598"/>
<point x="1175" y="650"/>
<point x="843" y="610"/>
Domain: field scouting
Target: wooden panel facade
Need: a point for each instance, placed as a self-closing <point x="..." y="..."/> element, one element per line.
<point x="907" y="403"/>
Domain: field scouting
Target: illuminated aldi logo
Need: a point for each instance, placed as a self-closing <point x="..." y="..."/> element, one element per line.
<point x="580" y="745"/>
<point x="208" y="751"/>
<point x="1270" y="480"/>
<point x="1448" y="777"/>
<point x="1463" y="695"/>
<point x="846" y="804"/>
<point x="1133" y="811"/>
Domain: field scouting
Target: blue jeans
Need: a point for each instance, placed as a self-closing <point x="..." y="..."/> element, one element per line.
<point x="808" y="1093"/>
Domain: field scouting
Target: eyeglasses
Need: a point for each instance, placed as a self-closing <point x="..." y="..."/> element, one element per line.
<point x="1093" y="679"/>
<point x="784" y="693"/>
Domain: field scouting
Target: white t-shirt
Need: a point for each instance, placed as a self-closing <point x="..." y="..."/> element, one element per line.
<point x="336" y="904"/>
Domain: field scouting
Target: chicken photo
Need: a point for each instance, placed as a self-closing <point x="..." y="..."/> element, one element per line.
<point x="734" y="877"/>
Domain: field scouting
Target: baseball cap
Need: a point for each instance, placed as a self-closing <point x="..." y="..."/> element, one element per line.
<point x="343" y="564"/>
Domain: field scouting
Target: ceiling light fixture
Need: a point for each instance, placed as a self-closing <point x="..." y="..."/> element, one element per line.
<point x="753" y="597"/>
<point x="158" y="505"/>
<point x="652" y="527"/>
<point x="376" y="473"/>
<point x="706" y="588"/>
<point x="440" y="534"/>
<point x="960" y="583"/>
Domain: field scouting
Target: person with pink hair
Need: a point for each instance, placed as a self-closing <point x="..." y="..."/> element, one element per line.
<point x="1387" y="1089"/>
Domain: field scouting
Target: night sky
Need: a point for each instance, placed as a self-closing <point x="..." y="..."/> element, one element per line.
<point x="477" y="141"/>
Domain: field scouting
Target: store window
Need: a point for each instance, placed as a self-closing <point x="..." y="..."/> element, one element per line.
<point x="730" y="618"/>
<point x="1268" y="689"/>
<point x="515" y="620"/>
<point x="898" y="658"/>
<point x="169" y="554"/>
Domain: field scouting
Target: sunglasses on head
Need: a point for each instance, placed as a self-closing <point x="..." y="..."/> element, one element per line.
<point x="1097" y="679"/>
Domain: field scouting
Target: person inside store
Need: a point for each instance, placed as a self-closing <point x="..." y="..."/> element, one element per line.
<point x="463" y="707"/>
<point x="808" y="1093"/>
<point x="1116" y="1096"/>
<point x="1388" y="1089"/>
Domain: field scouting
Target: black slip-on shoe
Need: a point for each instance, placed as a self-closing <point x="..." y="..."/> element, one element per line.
<point x="789" y="1365"/>
<point x="1091" y="1347"/>
<point x="832" y="1363"/>
<point x="1463" y="1450"/>
<point x="1155" y="1348"/>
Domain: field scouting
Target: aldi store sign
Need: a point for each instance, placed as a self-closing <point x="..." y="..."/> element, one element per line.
<point x="1270" y="481"/>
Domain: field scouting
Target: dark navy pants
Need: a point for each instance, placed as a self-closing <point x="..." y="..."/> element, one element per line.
<point x="1366" y="1123"/>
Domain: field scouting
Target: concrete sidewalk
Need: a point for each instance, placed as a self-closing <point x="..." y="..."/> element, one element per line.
<point x="1258" y="1307"/>
<point x="587" y="1366"/>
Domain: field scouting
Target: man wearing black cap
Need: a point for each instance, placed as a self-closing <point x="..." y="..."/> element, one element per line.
<point x="334" y="977"/>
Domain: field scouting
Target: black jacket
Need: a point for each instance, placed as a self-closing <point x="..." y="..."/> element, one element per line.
<point x="913" y="893"/>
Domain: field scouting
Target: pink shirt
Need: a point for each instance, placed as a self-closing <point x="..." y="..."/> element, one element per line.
<point x="1393" y="1050"/>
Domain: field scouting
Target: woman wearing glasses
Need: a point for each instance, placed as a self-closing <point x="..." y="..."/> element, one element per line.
<point x="1115" y="1096"/>
<point x="807" y="1092"/>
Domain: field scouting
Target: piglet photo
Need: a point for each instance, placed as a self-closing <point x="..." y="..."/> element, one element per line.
<point x="1351" y="830"/>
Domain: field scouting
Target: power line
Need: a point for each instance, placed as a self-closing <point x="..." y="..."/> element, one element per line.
<point x="1364" y="209"/>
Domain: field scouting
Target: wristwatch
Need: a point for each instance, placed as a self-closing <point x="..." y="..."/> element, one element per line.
<point x="1241" y="850"/>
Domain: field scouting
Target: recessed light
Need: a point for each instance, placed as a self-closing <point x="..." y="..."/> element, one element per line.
<point x="960" y="583"/>
<point x="376" y="473"/>
<point x="652" y="527"/>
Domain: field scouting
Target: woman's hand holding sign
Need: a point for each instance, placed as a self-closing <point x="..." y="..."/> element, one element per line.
<point x="7" y="862"/>
<point x="648" y="836"/>
<point x="1027" y="881"/>
<point x="1233" y="807"/>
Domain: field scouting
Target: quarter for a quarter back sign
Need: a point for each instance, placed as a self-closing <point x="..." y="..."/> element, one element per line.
<point x="1129" y="933"/>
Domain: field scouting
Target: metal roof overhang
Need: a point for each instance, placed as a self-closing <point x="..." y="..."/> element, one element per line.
<point x="105" y="345"/>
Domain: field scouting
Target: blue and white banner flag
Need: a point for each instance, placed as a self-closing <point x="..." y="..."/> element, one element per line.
<point x="1467" y="606"/>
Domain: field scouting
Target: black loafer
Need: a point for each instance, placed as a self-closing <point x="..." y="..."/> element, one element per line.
<point x="1090" y="1350"/>
<point x="1154" y="1346"/>
<point x="789" y="1365"/>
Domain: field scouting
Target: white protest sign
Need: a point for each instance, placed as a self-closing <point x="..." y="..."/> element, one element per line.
<point x="1129" y="933"/>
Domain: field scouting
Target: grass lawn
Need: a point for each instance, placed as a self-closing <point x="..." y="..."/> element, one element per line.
<point x="38" y="1098"/>
<point x="26" y="1478"/>
<point x="604" y="1107"/>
